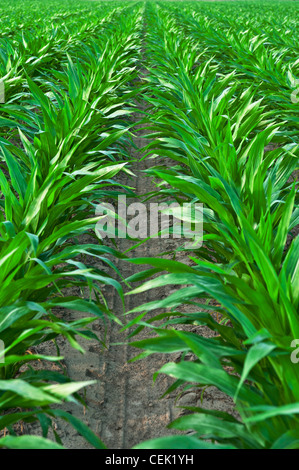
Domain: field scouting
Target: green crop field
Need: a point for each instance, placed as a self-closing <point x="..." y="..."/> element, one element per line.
<point x="214" y="86"/>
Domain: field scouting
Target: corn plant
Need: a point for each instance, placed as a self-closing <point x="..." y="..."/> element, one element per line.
<point x="62" y="143"/>
<point x="217" y="135"/>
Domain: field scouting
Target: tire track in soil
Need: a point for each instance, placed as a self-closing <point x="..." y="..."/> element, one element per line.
<point x="132" y="409"/>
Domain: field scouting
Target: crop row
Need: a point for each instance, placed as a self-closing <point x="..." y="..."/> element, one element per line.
<point x="233" y="147"/>
<point x="63" y="138"/>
